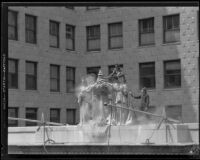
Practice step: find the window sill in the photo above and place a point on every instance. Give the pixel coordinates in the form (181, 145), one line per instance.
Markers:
(172, 89)
(115, 49)
(71, 51)
(90, 52)
(33, 91)
(171, 43)
(146, 46)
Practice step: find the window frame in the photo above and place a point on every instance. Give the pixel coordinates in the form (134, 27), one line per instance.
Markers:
(36, 115)
(98, 37)
(173, 29)
(110, 37)
(57, 79)
(15, 26)
(164, 67)
(32, 76)
(34, 31)
(17, 115)
(113, 66)
(70, 80)
(71, 38)
(140, 32)
(93, 67)
(50, 117)
(154, 76)
(15, 74)
(57, 34)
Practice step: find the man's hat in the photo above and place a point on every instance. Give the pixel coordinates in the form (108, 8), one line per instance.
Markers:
(100, 73)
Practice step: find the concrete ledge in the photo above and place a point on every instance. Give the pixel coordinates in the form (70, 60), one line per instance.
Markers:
(98, 149)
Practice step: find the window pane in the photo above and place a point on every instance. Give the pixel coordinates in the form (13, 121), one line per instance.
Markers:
(30, 36)
(30, 82)
(71, 116)
(93, 70)
(55, 115)
(30, 68)
(94, 44)
(12, 34)
(110, 68)
(70, 44)
(12, 66)
(12, 17)
(12, 112)
(147, 38)
(54, 71)
(53, 41)
(116, 42)
(115, 29)
(30, 22)
(70, 86)
(172, 36)
(176, 21)
(31, 113)
(54, 85)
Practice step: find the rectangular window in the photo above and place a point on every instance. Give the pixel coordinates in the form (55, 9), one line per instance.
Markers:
(146, 31)
(12, 73)
(111, 67)
(70, 79)
(70, 37)
(171, 26)
(55, 115)
(54, 34)
(93, 38)
(172, 74)
(54, 78)
(12, 25)
(30, 27)
(93, 71)
(12, 112)
(31, 113)
(31, 75)
(92, 8)
(174, 111)
(115, 35)
(147, 75)
(71, 116)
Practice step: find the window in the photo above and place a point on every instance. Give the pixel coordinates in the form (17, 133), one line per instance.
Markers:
(70, 79)
(70, 37)
(115, 35)
(111, 67)
(54, 78)
(93, 71)
(174, 111)
(171, 28)
(30, 26)
(71, 116)
(12, 112)
(146, 31)
(93, 38)
(12, 25)
(93, 8)
(55, 115)
(12, 73)
(147, 75)
(54, 34)
(31, 75)
(172, 74)
(31, 113)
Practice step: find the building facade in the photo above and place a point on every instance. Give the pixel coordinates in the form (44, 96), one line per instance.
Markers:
(51, 48)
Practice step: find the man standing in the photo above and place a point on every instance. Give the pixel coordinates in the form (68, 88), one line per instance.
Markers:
(144, 99)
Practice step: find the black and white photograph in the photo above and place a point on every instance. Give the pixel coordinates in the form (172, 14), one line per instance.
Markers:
(100, 78)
